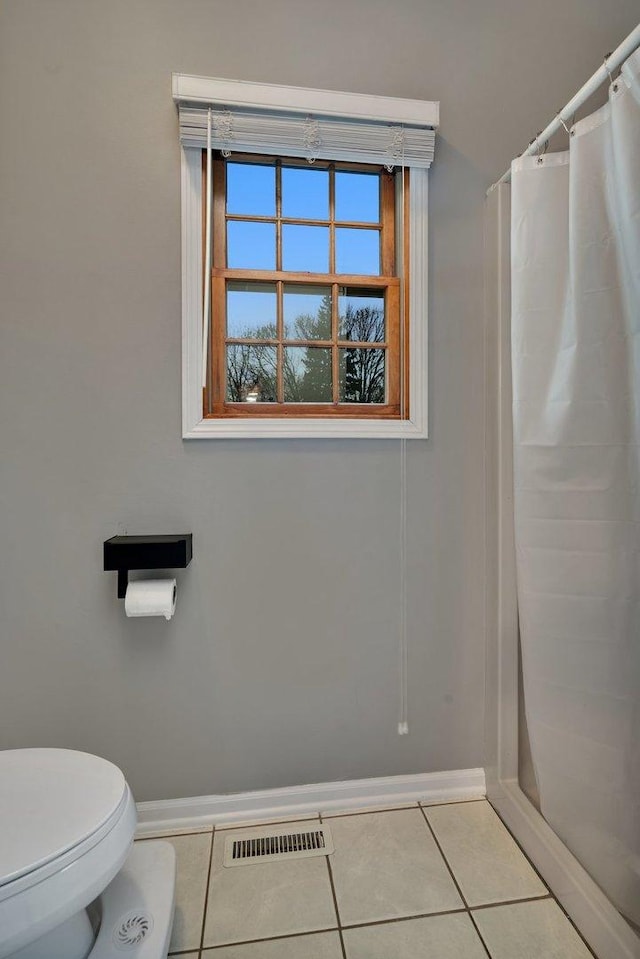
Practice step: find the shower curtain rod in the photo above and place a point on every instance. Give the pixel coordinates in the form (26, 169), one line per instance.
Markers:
(611, 62)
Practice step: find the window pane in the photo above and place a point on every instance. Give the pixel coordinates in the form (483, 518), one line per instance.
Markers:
(361, 315)
(251, 246)
(307, 312)
(251, 373)
(305, 249)
(305, 193)
(251, 189)
(362, 376)
(306, 374)
(357, 251)
(251, 310)
(358, 197)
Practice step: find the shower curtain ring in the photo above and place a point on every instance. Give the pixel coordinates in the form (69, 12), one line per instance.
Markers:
(540, 150)
(606, 66)
(561, 119)
(612, 82)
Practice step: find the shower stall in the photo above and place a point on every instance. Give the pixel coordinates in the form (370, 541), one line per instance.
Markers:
(562, 243)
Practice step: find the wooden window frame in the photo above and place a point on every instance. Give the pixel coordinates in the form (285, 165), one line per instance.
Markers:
(215, 405)
(197, 427)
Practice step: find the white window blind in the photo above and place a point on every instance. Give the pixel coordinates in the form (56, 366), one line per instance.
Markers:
(293, 121)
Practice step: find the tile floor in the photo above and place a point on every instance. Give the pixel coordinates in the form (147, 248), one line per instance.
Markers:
(440, 881)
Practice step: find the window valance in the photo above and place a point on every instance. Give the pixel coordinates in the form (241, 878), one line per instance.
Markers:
(296, 122)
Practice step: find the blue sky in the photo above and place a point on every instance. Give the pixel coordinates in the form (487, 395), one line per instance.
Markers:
(251, 189)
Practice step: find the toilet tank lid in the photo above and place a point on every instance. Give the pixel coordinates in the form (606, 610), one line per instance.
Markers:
(50, 801)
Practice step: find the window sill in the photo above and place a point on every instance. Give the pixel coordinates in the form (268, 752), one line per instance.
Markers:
(284, 428)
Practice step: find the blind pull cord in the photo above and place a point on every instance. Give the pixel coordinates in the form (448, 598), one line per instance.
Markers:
(403, 652)
(206, 303)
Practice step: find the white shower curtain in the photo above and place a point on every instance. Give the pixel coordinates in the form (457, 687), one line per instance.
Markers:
(575, 249)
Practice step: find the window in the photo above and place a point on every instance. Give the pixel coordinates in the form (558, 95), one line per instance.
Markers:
(304, 246)
(305, 306)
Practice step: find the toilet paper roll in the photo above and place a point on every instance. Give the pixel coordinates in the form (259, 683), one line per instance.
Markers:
(151, 597)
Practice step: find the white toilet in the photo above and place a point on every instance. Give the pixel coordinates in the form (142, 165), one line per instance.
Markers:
(72, 885)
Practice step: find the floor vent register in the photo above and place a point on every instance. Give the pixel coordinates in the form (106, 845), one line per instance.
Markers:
(249, 848)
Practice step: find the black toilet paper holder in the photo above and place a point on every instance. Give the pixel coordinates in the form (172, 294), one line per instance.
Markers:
(123, 553)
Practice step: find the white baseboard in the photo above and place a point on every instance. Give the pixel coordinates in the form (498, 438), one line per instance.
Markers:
(457, 784)
(597, 919)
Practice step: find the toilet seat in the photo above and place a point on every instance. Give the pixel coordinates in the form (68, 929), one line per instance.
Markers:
(53, 801)
(33, 877)
(68, 821)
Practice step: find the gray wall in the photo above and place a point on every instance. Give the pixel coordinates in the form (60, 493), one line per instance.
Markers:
(280, 664)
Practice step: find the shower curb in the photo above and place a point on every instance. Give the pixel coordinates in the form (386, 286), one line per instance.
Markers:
(593, 914)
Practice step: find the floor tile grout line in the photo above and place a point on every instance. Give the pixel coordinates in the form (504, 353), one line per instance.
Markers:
(543, 881)
(206, 893)
(479, 934)
(335, 904)
(223, 827)
(287, 935)
(443, 912)
(532, 864)
(174, 835)
(570, 920)
(455, 881)
(369, 812)
(344, 927)
(423, 803)
(446, 861)
(360, 925)
(389, 922)
(517, 902)
(335, 900)
(261, 824)
(508, 902)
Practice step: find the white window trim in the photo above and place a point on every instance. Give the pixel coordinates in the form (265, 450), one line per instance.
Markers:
(274, 96)
(195, 426)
